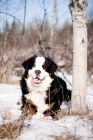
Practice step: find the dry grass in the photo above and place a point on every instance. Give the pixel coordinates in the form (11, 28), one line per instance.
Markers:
(68, 137)
(61, 113)
(11, 130)
(13, 82)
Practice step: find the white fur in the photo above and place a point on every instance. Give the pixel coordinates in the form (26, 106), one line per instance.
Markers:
(37, 92)
(45, 84)
(41, 87)
(38, 99)
(38, 66)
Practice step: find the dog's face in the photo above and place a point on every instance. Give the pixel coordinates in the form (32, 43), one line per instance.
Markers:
(40, 70)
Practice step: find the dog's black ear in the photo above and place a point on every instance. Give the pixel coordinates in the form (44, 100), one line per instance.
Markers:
(29, 63)
(52, 66)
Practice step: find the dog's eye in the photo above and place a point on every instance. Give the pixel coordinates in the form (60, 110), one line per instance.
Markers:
(44, 66)
(34, 65)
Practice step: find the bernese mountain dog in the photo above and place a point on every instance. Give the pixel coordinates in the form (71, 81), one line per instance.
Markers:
(42, 90)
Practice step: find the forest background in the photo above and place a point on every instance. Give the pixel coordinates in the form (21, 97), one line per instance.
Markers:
(40, 27)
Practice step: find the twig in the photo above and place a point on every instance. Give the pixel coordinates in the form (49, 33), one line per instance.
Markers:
(12, 16)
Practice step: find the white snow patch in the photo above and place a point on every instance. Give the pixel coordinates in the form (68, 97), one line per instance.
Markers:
(40, 127)
(9, 96)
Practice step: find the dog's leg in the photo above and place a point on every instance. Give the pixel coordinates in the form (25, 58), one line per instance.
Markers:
(29, 108)
(47, 112)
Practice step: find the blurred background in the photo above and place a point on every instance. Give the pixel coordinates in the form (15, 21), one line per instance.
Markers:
(41, 27)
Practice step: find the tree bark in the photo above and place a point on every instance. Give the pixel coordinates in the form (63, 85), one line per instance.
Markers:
(51, 22)
(79, 80)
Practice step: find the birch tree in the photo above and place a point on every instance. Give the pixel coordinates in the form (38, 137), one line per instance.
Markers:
(54, 13)
(79, 80)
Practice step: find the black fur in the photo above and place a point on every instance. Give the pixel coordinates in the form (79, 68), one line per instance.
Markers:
(58, 91)
(28, 64)
(51, 66)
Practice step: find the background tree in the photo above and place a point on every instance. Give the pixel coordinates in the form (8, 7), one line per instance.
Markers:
(79, 81)
(54, 13)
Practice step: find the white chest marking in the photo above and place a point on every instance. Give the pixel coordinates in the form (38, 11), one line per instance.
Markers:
(39, 100)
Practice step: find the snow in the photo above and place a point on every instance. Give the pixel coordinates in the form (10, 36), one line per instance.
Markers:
(44, 128)
(9, 95)
(72, 125)
(90, 97)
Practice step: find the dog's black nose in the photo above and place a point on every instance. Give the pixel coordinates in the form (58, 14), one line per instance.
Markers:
(37, 72)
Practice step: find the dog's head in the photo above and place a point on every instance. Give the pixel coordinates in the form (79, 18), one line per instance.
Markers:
(39, 69)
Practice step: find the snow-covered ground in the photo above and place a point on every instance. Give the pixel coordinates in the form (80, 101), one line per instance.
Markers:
(41, 128)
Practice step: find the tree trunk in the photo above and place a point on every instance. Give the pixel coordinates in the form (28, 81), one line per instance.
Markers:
(52, 21)
(79, 80)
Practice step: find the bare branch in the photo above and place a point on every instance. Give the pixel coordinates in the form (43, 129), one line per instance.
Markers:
(12, 16)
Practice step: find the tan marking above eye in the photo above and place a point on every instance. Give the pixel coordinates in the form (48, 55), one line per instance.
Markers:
(43, 64)
(50, 74)
(28, 75)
